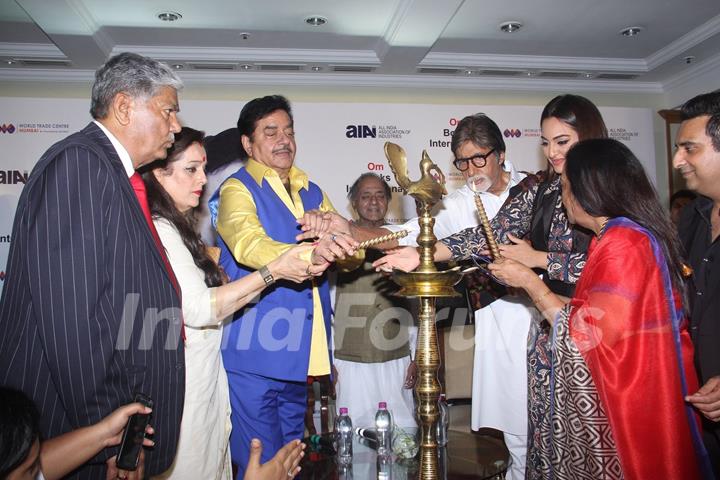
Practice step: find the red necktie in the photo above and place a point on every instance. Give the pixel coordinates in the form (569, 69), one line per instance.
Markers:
(139, 186)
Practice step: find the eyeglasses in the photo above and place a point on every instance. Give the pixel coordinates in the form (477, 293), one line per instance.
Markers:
(478, 160)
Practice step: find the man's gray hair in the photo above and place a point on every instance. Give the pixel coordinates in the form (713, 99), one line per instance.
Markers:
(355, 189)
(138, 76)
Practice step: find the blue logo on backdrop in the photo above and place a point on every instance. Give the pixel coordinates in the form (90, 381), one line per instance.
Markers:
(360, 131)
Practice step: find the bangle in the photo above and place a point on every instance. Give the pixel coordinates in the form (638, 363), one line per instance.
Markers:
(538, 299)
(266, 275)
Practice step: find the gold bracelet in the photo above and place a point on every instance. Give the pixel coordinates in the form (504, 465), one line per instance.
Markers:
(538, 299)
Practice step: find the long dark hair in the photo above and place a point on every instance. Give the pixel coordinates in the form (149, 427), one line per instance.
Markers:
(162, 205)
(607, 180)
(19, 429)
(577, 112)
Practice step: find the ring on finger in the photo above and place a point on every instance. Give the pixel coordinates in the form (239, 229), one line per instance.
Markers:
(291, 473)
(333, 237)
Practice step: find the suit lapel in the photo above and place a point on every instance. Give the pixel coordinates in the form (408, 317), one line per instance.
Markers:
(98, 137)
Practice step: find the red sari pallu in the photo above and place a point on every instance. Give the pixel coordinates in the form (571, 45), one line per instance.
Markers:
(621, 364)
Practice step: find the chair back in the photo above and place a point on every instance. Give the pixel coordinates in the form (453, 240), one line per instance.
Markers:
(459, 346)
(326, 392)
(458, 349)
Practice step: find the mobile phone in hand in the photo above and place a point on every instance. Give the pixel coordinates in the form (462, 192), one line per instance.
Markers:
(133, 436)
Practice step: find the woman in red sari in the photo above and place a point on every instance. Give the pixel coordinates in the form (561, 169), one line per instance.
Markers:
(621, 355)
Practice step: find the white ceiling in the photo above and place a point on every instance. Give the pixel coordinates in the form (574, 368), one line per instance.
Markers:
(568, 44)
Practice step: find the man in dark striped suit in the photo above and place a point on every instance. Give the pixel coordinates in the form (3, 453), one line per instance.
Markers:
(90, 312)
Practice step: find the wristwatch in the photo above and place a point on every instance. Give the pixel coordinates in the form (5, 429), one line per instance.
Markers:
(266, 275)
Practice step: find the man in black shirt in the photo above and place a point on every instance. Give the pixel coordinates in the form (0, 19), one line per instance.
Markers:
(698, 159)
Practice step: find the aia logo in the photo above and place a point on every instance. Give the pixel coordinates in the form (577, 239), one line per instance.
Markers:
(360, 131)
(512, 132)
(10, 128)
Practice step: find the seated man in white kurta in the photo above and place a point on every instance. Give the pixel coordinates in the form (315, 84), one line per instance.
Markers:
(371, 354)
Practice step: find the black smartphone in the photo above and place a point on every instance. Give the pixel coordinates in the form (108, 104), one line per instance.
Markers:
(133, 436)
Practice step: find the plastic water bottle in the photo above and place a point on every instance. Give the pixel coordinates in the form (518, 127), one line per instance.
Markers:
(344, 436)
(345, 471)
(443, 421)
(383, 429)
(384, 466)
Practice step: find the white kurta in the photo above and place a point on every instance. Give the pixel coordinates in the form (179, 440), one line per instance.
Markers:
(499, 387)
(205, 430)
(499, 390)
(361, 386)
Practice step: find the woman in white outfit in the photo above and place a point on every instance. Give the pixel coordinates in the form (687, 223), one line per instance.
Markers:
(174, 187)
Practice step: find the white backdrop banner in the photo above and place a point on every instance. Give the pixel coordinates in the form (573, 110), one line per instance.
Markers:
(336, 141)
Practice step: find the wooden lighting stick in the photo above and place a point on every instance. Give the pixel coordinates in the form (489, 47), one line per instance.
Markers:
(382, 239)
(492, 244)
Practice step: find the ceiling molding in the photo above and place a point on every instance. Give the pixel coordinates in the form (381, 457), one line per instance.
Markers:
(87, 19)
(265, 55)
(413, 32)
(30, 50)
(100, 37)
(354, 80)
(535, 62)
(416, 81)
(69, 25)
(393, 27)
(692, 73)
(103, 40)
(684, 43)
(50, 75)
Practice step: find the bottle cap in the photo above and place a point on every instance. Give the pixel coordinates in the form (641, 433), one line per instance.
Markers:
(343, 411)
(382, 405)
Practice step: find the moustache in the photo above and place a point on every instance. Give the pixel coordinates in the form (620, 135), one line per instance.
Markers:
(479, 183)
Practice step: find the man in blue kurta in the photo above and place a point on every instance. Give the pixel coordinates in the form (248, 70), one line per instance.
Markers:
(271, 347)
